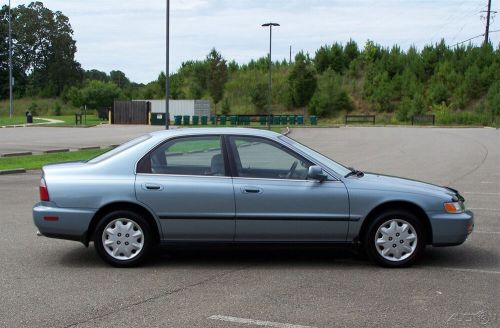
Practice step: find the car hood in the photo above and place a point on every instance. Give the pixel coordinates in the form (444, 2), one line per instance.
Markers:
(393, 183)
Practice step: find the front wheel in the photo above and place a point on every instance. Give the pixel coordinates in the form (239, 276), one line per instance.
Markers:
(395, 239)
(123, 238)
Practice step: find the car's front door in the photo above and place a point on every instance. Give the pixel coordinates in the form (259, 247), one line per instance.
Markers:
(184, 181)
(276, 202)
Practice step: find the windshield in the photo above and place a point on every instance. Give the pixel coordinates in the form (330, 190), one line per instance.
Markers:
(339, 168)
(119, 149)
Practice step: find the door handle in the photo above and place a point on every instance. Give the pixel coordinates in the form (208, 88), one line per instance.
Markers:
(152, 186)
(251, 190)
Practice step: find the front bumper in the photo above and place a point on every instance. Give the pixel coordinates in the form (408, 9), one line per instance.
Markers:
(451, 229)
(71, 223)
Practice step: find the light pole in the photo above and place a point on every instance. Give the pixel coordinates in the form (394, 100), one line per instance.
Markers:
(270, 73)
(11, 108)
(167, 68)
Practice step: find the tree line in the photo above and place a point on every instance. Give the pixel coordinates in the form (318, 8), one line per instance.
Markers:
(338, 78)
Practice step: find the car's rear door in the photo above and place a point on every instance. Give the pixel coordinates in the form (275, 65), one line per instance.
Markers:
(184, 181)
(276, 202)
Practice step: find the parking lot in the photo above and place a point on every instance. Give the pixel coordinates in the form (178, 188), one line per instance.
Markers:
(55, 283)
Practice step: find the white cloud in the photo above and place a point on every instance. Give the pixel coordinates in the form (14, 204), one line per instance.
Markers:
(130, 35)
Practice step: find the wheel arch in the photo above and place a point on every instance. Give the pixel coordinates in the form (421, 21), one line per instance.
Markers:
(123, 205)
(398, 205)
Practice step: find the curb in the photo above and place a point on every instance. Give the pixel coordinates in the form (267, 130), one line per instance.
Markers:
(50, 151)
(13, 171)
(89, 148)
(24, 153)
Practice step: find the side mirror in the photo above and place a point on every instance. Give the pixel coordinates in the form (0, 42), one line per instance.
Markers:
(316, 173)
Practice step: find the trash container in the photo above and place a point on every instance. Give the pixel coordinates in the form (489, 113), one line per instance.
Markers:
(291, 119)
(29, 117)
(185, 119)
(263, 120)
(204, 120)
(276, 120)
(284, 119)
(223, 120)
(300, 119)
(178, 119)
(213, 119)
(313, 119)
(196, 120)
(233, 119)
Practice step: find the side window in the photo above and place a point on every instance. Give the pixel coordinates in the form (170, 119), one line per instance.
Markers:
(262, 158)
(186, 156)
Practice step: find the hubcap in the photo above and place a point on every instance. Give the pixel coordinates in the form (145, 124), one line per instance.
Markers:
(123, 239)
(396, 240)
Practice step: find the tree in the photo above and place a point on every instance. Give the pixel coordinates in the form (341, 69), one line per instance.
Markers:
(119, 78)
(330, 97)
(259, 95)
(302, 81)
(217, 77)
(95, 95)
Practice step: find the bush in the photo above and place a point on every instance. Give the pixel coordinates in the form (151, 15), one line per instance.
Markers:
(33, 108)
(330, 98)
(57, 109)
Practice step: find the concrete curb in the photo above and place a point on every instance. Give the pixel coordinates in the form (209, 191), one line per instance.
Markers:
(13, 171)
(24, 153)
(51, 151)
(89, 148)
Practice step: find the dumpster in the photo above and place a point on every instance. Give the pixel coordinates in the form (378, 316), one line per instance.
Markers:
(263, 120)
(185, 119)
(223, 120)
(276, 120)
(283, 119)
(300, 119)
(233, 119)
(157, 119)
(178, 120)
(291, 119)
(313, 119)
(196, 120)
(204, 120)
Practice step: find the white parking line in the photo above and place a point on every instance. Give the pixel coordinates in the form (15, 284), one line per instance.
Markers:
(256, 322)
(472, 270)
(483, 209)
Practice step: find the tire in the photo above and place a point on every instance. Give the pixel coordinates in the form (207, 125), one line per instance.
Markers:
(395, 239)
(123, 238)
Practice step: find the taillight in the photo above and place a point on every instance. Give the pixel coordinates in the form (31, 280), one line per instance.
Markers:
(44, 192)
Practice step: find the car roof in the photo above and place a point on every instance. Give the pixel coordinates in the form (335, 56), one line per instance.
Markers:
(203, 131)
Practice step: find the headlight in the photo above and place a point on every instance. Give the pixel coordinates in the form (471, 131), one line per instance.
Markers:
(454, 207)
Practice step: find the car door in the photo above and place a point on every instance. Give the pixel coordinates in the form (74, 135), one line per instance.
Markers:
(276, 202)
(184, 181)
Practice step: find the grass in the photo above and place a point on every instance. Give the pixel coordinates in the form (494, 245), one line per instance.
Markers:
(16, 120)
(31, 162)
(69, 120)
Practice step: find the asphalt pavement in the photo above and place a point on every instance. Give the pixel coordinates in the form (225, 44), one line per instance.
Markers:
(54, 283)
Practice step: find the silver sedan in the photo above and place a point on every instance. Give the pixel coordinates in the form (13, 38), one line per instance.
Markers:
(233, 185)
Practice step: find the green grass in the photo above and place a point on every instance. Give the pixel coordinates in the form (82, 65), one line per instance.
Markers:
(37, 161)
(16, 120)
(69, 120)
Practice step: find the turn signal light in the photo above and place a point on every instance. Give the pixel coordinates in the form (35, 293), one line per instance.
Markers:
(453, 207)
(44, 192)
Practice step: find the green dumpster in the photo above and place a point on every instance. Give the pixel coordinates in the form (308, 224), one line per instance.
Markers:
(276, 120)
(313, 119)
(247, 120)
(300, 119)
(204, 120)
(263, 120)
(178, 120)
(185, 119)
(213, 119)
(196, 120)
(283, 119)
(291, 119)
(233, 119)
(223, 120)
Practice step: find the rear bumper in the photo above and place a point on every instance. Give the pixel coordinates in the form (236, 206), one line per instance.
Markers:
(62, 223)
(451, 229)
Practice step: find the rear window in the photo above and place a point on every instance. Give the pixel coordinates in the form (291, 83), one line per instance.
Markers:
(119, 149)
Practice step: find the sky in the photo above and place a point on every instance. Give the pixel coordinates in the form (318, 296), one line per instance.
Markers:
(129, 35)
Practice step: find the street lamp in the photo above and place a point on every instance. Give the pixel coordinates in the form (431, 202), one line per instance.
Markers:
(167, 75)
(270, 74)
(11, 109)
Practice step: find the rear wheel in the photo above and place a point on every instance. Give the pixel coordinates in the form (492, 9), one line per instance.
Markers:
(395, 239)
(123, 238)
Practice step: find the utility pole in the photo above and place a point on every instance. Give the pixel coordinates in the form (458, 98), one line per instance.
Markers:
(167, 68)
(290, 60)
(11, 107)
(270, 72)
(487, 32)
